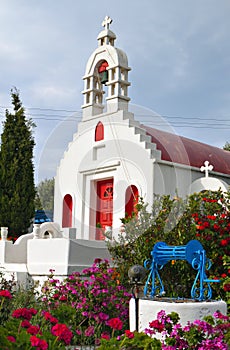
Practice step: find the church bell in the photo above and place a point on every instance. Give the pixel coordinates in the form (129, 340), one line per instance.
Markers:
(103, 77)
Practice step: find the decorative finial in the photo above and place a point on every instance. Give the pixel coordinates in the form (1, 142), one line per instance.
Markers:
(206, 168)
(107, 21)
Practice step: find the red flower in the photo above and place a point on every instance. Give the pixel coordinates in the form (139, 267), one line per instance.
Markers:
(209, 200)
(211, 217)
(115, 323)
(227, 287)
(61, 331)
(49, 317)
(223, 275)
(224, 242)
(24, 313)
(216, 227)
(129, 334)
(34, 340)
(11, 339)
(5, 293)
(206, 224)
(25, 324)
(56, 296)
(157, 325)
(200, 227)
(39, 343)
(33, 330)
(105, 336)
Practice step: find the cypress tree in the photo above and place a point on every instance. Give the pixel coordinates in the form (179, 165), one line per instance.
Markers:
(17, 189)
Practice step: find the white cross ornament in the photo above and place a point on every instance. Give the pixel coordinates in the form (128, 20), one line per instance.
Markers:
(107, 21)
(206, 168)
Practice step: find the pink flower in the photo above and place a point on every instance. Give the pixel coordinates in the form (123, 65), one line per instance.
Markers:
(115, 323)
(11, 339)
(5, 293)
(103, 316)
(89, 331)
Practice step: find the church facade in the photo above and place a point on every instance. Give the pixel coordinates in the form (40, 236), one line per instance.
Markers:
(113, 159)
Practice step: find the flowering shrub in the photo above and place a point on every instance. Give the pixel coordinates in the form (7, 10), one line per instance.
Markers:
(91, 302)
(204, 216)
(212, 333)
(92, 309)
(28, 328)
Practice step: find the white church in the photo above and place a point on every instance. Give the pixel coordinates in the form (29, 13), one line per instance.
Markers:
(111, 161)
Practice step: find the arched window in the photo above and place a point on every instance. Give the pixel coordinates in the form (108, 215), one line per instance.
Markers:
(67, 211)
(131, 200)
(99, 132)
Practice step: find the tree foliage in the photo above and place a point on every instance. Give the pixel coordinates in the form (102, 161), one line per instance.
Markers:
(227, 146)
(45, 190)
(17, 190)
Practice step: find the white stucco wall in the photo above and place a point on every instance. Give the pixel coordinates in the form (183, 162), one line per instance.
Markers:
(120, 156)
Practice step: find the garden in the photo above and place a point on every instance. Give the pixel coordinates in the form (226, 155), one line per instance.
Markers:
(90, 310)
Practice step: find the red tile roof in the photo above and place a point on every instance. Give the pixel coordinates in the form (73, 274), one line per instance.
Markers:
(179, 149)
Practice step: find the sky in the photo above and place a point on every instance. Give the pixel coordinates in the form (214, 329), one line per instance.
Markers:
(178, 51)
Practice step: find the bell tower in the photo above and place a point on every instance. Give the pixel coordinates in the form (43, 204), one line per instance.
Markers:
(107, 68)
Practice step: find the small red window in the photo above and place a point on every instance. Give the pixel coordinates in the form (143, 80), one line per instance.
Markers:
(99, 132)
(67, 211)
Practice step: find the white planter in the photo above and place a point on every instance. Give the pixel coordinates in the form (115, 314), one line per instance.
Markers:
(187, 310)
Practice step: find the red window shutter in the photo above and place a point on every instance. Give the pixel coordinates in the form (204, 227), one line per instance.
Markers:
(99, 132)
(131, 200)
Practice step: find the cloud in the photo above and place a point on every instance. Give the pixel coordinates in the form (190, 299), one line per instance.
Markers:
(179, 53)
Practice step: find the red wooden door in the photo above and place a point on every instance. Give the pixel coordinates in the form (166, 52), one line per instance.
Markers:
(104, 216)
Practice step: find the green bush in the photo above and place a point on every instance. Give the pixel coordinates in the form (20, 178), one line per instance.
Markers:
(203, 216)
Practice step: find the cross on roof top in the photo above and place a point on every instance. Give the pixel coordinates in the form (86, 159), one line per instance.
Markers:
(206, 168)
(107, 21)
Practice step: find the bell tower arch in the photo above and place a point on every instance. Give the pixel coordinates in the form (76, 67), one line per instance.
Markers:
(106, 67)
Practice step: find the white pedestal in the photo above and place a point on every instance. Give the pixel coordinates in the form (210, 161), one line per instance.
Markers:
(187, 310)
